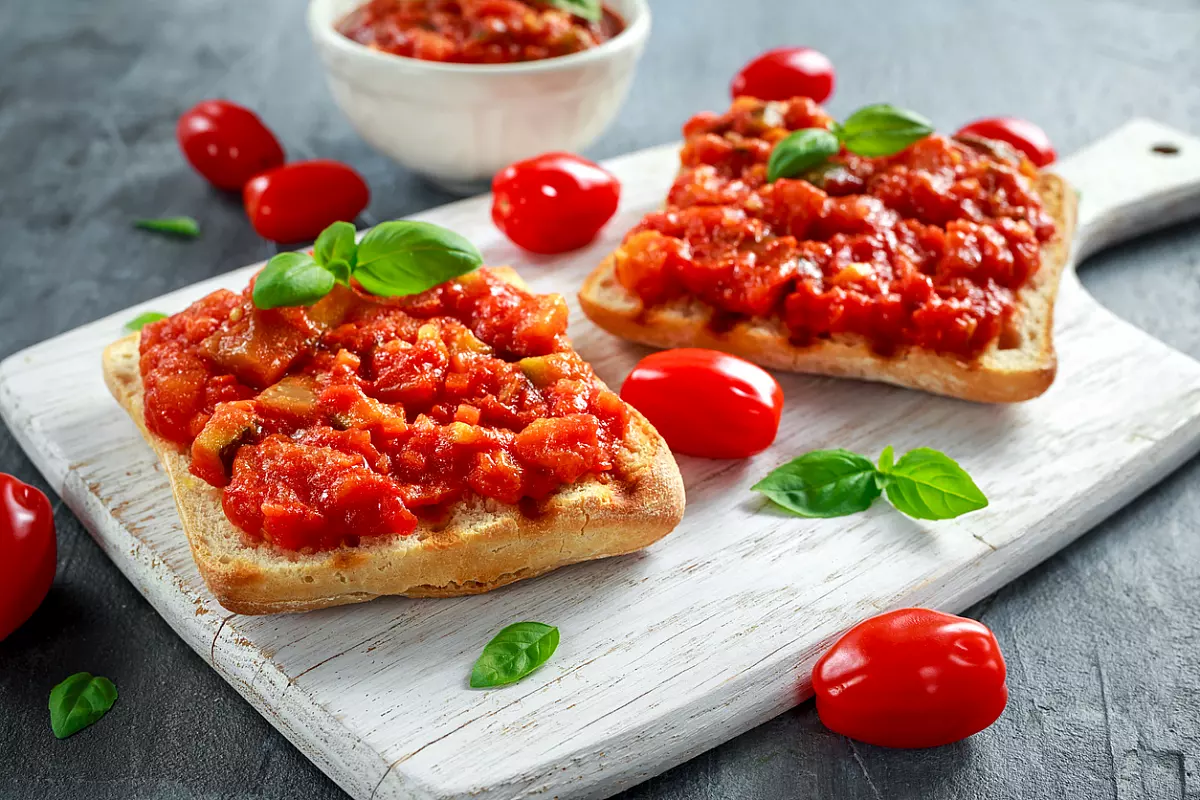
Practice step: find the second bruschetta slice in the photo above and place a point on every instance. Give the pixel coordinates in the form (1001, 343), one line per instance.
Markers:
(936, 268)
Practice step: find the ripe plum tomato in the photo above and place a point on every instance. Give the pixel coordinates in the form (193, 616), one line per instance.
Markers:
(911, 678)
(554, 202)
(706, 403)
(226, 143)
(786, 73)
(296, 202)
(1020, 133)
(28, 552)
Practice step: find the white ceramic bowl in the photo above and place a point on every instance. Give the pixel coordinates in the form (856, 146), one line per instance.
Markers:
(459, 124)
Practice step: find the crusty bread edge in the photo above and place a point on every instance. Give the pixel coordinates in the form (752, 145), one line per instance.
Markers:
(998, 376)
(482, 545)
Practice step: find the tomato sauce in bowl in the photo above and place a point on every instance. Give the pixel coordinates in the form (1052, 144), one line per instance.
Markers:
(475, 31)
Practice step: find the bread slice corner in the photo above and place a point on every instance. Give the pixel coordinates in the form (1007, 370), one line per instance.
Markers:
(1020, 365)
(481, 544)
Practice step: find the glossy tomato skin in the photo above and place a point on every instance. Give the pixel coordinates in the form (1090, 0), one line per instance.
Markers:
(553, 203)
(786, 73)
(28, 552)
(1020, 133)
(911, 678)
(706, 403)
(294, 203)
(226, 143)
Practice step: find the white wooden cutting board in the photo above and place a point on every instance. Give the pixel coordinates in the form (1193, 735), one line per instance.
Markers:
(711, 631)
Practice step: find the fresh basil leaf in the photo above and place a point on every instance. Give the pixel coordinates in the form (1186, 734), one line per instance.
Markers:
(588, 9)
(823, 483)
(184, 227)
(404, 257)
(291, 279)
(800, 152)
(336, 243)
(882, 130)
(78, 702)
(515, 652)
(887, 459)
(142, 320)
(926, 484)
(340, 271)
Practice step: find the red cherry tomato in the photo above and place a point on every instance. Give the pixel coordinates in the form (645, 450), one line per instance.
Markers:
(1020, 133)
(28, 552)
(554, 202)
(226, 143)
(297, 201)
(706, 403)
(911, 678)
(786, 73)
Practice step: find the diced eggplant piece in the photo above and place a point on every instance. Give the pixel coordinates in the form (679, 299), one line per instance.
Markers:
(333, 309)
(260, 347)
(544, 371)
(1001, 151)
(231, 426)
(294, 397)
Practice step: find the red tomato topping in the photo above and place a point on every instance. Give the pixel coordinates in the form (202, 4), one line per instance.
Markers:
(1020, 133)
(28, 552)
(309, 495)
(786, 73)
(349, 418)
(554, 202)
(911, 678)
(475, 31)
(226, 143)
(706, 403)
(294, 203)
(924, 248)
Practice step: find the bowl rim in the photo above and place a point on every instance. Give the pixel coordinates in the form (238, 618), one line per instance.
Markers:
(637, 29)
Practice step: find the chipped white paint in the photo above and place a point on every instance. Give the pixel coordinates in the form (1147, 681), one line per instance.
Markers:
(713, 630)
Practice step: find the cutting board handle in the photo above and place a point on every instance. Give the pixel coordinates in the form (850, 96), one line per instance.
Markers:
(1141, 177)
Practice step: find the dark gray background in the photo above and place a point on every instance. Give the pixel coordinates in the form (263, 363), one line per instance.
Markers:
(1102, 641)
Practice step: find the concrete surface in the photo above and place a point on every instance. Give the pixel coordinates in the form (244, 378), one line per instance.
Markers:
(1103, 642)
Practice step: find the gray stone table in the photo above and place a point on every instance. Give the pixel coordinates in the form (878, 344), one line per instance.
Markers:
(1103, 642)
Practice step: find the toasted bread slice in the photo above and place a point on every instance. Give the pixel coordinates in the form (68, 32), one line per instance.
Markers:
(480, 545)
(1020, 365)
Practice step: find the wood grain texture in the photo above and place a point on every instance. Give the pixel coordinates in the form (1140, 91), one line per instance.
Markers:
(670, 652)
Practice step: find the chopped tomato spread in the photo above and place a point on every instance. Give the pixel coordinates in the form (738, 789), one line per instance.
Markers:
(475, 31)
(352, 417)
(925, 248)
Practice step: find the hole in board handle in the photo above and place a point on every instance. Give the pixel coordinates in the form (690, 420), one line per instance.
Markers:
(1165, 149)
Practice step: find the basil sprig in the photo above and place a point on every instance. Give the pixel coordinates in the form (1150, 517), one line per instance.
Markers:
(183, 227)
(873, 131)
(143, 319)
(515, 652)
(824, 483)
(394, 258)
(78, 702)
(590, 10)
(800, 152)
(924, 484)
(882, 130)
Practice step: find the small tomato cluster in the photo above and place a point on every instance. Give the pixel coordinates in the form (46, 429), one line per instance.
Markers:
(231, 147)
